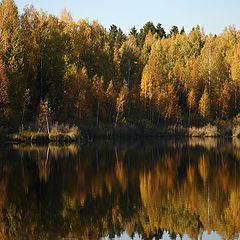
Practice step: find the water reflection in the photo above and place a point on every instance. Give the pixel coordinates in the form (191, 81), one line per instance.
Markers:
(148, 190)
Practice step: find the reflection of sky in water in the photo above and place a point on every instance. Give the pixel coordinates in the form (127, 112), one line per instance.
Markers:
(206, 236)
(212, 235)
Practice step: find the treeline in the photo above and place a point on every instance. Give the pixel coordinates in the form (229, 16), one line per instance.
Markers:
(78, 72)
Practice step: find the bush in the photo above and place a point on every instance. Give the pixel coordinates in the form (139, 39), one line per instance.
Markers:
(64, 133)
(206, 131)
(59, 133)
(236, 131)
(29, 136)
(236, 120)
(23, 136)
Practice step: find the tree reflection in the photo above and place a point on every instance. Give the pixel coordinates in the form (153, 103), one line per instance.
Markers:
(89, 192)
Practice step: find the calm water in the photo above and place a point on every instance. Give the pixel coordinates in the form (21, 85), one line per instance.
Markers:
(164, 189)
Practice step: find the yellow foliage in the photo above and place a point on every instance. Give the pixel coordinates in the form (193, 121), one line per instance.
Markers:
(204, 104)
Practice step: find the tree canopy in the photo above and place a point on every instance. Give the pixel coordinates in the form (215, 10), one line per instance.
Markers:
(52, 58)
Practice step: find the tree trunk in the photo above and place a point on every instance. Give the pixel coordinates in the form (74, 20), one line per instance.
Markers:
(165, 120)
(48, 131)
(152, 115)
(235, 99)
(110, 112)
(23, 116)
(97, 112)
(129, 72)
(117, 116)
(189, 115)
(149, 113)
(209, 70)
(158, 118)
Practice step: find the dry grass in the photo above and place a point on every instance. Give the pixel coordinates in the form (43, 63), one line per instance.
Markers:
(236, 131)
(59, 133)
(206, 131)
(29, 136)
(64, 133)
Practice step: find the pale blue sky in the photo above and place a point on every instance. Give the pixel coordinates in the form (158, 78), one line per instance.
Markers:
(213, 15)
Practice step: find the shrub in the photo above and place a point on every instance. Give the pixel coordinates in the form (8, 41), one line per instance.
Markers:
(236, 120)
(59, 133)
(206, 131)
(236, 131)
(64, 133)
(23, 136)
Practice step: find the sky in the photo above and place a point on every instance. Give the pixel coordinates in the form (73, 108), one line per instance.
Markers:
(213, 15)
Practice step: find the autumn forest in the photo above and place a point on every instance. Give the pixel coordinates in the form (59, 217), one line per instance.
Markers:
(81, 73)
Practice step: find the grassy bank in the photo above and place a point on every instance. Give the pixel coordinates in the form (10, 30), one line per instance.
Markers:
(148, 130)
(67, 134)
(62, 133)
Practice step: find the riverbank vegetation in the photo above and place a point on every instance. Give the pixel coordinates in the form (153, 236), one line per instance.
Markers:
(77, 72)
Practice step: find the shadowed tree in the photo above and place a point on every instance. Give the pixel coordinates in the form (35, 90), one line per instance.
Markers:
(133, 31)
(191, 101)
(98, 90)
(4, 100)
(129, 57)
(160, 31)
(182, 30)
(224, 100)
(174, 31)
(110, 98)
(121, 101)
(81, 91)
(149, 26)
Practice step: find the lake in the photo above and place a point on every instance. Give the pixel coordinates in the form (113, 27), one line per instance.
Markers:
(145, 189)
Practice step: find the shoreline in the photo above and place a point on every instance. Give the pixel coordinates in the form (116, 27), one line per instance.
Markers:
(125, 131)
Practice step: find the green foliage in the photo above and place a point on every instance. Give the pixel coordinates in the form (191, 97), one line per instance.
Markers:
(174, 31)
